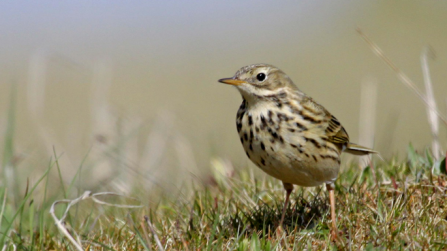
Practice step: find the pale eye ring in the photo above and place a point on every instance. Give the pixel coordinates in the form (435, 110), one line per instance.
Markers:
(261, 77)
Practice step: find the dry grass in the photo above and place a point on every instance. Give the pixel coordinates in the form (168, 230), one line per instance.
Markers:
(402, 208)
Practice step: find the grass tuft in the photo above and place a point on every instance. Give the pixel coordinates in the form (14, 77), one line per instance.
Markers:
(402, 207)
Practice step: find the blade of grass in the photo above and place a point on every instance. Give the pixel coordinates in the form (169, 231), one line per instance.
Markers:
(3, 206)
(64, 192)
(400, 75)
(31, 223)
(22, 204)
(21, 210)
(432, 118)
(77, 176)
(367, 117)
(138, 234)
(157, 240)
(78, 173)
(42, 215)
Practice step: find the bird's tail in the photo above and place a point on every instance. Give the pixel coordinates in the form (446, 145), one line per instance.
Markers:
(355, 149)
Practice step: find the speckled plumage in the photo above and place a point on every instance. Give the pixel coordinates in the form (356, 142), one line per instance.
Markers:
(285, 145)
(285, 132)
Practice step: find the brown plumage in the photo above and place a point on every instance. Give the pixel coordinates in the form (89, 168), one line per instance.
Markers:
(287, 134)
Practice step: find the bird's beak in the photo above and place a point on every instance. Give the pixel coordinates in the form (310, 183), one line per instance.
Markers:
(231, 81)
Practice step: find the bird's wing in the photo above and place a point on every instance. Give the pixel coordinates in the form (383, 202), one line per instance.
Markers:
(335, 132)
(319, 126)
(328, 126)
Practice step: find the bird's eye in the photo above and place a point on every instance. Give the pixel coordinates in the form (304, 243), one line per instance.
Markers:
(260, 77)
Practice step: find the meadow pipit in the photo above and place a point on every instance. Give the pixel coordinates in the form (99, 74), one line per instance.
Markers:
(287, 134)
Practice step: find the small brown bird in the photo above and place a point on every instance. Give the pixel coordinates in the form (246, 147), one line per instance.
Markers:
(287, 134)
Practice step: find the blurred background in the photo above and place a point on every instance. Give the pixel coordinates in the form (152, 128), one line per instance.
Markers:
(121, 90)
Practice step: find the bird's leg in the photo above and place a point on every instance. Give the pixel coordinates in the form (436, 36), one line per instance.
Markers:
(289, 188)
(330, 187)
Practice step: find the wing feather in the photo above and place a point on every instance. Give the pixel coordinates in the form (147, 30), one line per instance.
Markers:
(323, 124)
(331, 128)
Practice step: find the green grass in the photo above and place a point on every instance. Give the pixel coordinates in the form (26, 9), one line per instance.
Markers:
(403, 207)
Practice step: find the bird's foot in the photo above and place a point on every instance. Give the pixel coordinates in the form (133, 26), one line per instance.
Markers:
(334, 235)
(280, 231)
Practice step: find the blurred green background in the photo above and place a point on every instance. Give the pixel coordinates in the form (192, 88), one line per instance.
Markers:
(92, 73)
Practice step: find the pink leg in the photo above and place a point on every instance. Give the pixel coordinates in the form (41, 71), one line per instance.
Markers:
(330, 187)
(289, 188)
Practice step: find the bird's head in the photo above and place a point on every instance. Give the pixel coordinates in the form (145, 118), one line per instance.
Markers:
(259, 80)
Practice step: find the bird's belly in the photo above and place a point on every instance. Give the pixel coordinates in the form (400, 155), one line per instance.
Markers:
(293, 168)
(303, 167)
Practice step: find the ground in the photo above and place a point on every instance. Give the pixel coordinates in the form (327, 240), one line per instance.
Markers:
(398, 205)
